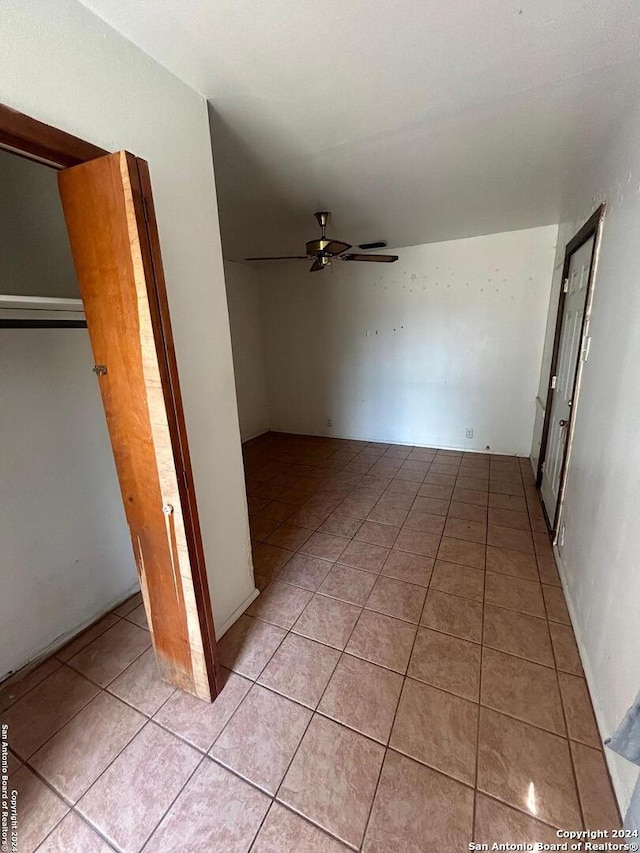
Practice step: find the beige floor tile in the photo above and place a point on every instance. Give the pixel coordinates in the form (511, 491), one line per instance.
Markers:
(506, 561)
(341, 525)
(72, 833)
(425, 522)
(527, 768)
(469, 531)
(470, 496)
(578, 711)
(416, 542)
(75, 756)
(429, 490)
(286, 832)
(375, 533)
(362, 696)
(127, 606)
(436, 812)
(411, 568)
(480, 484)
(383, 640)
(432, 506)
(397, 598)
(333, 778)
(138, 616)
(94, 631)
(328, 621)
(438, 729)
(200, 722)
(300, 669)
(39, 809)
(45, 709)
(280, 604)
(548, 570)
(277, 510)
(508, 537)
(439, 479)
(140, 685)
(496, 823)
(594, 788)
(248, 646)
(328, 546)
(261, 528)
(363, 555)
(522, 689)
(17, 686)
(133, 794)
(517, 634)
(505, 487)
(513, 502)
(111, 653)
(191, 824)
(385, 512)
(565, 648)
(468, 512)
(514, 594)
(457, 579)
(268, 560)
(261, 738)
(13, 763)
(518, 520)
(348, 584)
(304, 571)
(461, 552)
(289, 536)
(451, 614)
(556, 605)
(446, 662)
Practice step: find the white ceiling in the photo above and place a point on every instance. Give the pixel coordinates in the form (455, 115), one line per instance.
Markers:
(412, 120)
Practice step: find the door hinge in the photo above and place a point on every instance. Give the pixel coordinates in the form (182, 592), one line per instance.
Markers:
(554, 380)
(586, 346)
(565, 286)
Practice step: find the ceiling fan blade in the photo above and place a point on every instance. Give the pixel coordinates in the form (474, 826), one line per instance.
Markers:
(376, 259)
(282, 258)
(316, 265)
(336, 247)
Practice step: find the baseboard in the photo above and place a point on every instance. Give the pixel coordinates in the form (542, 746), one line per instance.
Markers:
(346, 437)
(619, 786)
(221, 630)
(256, 439)
(65, 638)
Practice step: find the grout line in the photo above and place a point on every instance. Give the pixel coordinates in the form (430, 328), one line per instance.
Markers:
(323, 473)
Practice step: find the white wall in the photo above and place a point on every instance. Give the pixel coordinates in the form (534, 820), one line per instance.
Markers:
(601, 551)
(448, 338)
(35, 257)
(61, 64)
(247, 340)
(66, 555)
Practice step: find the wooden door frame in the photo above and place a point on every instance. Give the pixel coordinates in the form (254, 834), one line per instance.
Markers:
(591, 228)
(27, 137)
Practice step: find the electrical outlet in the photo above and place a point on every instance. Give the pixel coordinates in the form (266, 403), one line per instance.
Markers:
(469, 433)
(329, 422)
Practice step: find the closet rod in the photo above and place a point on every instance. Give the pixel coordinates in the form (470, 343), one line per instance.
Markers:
(42, 324)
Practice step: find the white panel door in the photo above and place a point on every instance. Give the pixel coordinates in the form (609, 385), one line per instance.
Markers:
(575, 304)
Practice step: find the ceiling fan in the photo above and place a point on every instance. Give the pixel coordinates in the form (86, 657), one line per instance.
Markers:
(323, 250)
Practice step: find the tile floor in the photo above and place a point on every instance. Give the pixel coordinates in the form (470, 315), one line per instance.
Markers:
(408, 680)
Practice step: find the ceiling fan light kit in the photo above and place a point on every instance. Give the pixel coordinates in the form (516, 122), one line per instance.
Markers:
(323, 250)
